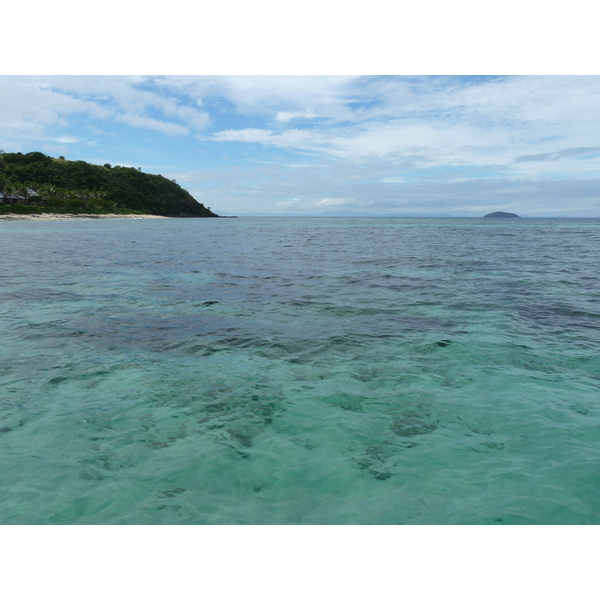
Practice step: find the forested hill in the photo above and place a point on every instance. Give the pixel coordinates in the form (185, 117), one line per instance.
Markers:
(34, 182)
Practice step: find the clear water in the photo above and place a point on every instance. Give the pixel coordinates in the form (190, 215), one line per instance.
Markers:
(313, 371)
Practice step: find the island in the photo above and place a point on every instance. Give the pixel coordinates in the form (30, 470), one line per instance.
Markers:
(38, 185)
(501, 215)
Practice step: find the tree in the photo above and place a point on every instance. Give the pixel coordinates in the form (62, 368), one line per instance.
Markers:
(23, 192)
(6, 187)
(58, 182)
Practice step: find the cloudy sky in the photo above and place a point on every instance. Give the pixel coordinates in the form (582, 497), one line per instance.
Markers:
(329, 145)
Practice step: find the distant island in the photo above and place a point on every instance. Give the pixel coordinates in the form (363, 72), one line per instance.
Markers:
(501, 215)
(34, 183)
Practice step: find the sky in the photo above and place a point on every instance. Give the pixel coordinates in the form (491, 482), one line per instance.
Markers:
(329, 145)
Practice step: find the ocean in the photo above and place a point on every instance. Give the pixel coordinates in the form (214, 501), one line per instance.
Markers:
(300, 371)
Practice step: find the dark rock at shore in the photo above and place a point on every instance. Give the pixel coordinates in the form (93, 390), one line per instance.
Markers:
(501, 215)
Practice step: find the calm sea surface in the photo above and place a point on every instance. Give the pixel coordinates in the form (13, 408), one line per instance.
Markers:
(311, 371)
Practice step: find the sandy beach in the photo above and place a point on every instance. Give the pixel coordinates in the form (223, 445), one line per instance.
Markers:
(62, 217)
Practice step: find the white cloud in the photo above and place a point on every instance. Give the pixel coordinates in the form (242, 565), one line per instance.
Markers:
(67, 139)
(285, 117)
(149, 123)
(446, 122)
(261, 136)
(270, 95)
(326, 202)
(193, 118)
(31, 106)
(432, 121)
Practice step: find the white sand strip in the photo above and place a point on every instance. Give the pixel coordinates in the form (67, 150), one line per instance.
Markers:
(62, 217)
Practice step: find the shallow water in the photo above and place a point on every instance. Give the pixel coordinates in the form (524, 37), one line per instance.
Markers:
(314, 371)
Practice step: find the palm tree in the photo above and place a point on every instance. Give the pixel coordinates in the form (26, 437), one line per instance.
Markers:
(23, 192)
(6, 187)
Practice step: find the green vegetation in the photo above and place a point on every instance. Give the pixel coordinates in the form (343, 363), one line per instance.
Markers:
(501, 215)
(35, 183)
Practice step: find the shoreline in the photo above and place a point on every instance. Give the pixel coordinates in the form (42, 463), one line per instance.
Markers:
(71, 217)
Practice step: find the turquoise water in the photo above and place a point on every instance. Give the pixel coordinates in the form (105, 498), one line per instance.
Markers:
(310, 371)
